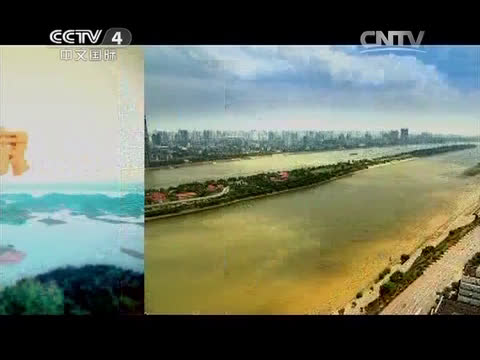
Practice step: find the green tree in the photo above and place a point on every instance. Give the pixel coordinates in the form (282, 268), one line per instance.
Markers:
(30, 297)
(388, 288)
(397, 277)
(428, 250)
(404, 258)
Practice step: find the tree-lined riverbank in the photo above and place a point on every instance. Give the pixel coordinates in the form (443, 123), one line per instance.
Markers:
(272, 183)
(411, 284)
(399, 281)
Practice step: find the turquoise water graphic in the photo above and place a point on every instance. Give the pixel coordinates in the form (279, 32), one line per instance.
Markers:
(60, 225)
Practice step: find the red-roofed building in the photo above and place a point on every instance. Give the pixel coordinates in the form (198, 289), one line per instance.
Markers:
(158, 197)
(212, 187)
(186, 195)
(282, 176)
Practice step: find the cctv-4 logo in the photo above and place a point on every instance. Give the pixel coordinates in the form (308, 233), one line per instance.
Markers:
(113, 36)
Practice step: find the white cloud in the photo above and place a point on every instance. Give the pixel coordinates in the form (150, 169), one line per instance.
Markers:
(251, 62)
(308, 78)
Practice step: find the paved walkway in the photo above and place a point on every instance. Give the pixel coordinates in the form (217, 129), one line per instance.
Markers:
(419, 297)
(186, 201)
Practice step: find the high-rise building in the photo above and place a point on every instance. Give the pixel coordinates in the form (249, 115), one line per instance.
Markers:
(394, 136)
(293, 138)
(164, 138)
(196, 136)
(404, 135)
(207, 136)
(183, 137)
(147, 144)
(271, 136)
(157, 138)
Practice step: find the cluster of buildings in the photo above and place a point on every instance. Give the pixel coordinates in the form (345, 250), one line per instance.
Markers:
(272, 139)
(467, 296)
(164, 147)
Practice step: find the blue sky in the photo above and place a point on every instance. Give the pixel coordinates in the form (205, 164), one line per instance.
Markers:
(312, 87)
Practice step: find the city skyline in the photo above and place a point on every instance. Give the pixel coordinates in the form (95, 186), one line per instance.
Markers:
(312, 87)
(336, 131)
(173, 147)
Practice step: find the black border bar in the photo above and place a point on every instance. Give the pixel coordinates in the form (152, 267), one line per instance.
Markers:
(312, 29)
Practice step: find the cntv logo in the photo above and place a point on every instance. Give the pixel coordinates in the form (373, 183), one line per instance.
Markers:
(393, 41)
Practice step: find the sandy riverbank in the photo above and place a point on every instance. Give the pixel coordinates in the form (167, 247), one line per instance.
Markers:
(467, 204)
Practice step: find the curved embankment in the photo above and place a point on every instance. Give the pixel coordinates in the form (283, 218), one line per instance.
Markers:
(189, 201)
(408, 290)
(306, 178)
(192, 211)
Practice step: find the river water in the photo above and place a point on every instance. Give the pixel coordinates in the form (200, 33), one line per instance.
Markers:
(276, 162)
(307, 251)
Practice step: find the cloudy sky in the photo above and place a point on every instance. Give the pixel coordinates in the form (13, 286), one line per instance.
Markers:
(312, 87)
